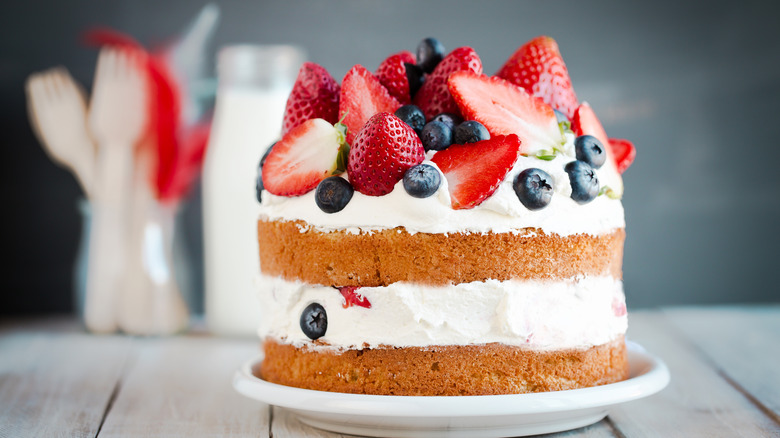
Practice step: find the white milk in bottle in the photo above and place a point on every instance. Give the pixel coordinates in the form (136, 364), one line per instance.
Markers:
(253, 85)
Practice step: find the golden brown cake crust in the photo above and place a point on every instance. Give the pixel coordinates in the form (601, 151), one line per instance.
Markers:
(380, 258)
(444, 370)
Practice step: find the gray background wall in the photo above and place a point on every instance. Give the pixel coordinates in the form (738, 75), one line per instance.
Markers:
(695, 85)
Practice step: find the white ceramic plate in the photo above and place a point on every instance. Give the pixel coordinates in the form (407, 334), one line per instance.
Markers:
(466, 416)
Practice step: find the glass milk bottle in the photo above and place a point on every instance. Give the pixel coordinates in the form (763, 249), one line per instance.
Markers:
(253, 85)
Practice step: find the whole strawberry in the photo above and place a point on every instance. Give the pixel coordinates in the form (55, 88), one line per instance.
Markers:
(538, 67)
(434, 97)
(382, 152)
(392, 74)
(314, 95)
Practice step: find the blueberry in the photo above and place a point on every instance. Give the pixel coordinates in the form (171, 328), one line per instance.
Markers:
(430, 52)
(413, 116)
(449, 119)
(259, 180)
(436, 136)
(415, 76)
(333, 194)
(422, 181)
(314, 321)
(583, 180)
(560, 116)
(534, 188)
(590, 150)
(470, 132)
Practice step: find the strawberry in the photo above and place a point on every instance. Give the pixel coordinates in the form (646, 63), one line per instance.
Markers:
(302, 158)
(434, 97)
(624, 153)
(353, 298)
(383, 151)
(362, 96)
(538, 67)
(315, 94)
(475, 170)
(392, 74)
(504, 108)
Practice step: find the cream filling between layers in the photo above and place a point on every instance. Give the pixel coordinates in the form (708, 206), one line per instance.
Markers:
(501, 212)
(542, 315)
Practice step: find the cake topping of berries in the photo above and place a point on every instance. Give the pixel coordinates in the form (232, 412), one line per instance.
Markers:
(362, 96)
(470, 131)
(583, 180)
(538, 67)
(434, 96)
(474, 170)
(353, 298)
(333, 194)
(436, 136)
(302, 158)
(315, 94)
(590, 150)
(392, 74)
(624, 153)
(534, 188)
(430, 52)
(412, 116)
(259, 180)
(504, 108)
(585, 122)
(422, 181)
(314, 321)
(381, 153)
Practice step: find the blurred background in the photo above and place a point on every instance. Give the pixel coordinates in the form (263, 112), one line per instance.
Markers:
(695, 87)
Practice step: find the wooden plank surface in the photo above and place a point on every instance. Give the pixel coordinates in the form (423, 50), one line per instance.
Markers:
(56, 380)
(181, 387)
(57, 385)
(697, 403)
(742, 343)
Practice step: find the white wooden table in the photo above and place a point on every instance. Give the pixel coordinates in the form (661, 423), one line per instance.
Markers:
(57, 381)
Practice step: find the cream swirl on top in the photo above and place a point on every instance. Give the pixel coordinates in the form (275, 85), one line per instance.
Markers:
(501, 212)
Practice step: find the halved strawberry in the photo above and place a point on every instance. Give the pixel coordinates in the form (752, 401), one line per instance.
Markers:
(362, 96)
(624, 153)
(392, 74)
(353, 298)
(302, 158)
(314, 95)
(586, 122)
(538, 67)
(475, 170)
(434, 96)
(383, 151)
(504, 108)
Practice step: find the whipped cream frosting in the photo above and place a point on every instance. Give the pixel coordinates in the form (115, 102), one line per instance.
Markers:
(541, 315)
(501, 212)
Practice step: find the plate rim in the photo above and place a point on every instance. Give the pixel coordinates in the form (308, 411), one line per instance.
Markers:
(652, 378)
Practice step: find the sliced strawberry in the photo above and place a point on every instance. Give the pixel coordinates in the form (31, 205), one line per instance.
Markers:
(353, 298)
(392, 74)
(315, 94)
(538, 67)
(362, 96)
(302, 158)
(383, 151)
(504, 109)
(434, 96)
(624, 152)
(475, 170)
